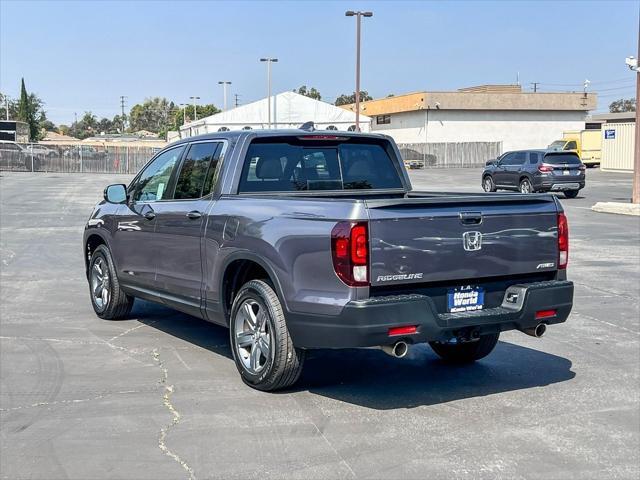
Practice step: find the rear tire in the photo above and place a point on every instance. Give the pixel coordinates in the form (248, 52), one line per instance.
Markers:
(261, 345)
(488, 185)
(571, 193)
(467, 352)
(525, 186)
(108, 299)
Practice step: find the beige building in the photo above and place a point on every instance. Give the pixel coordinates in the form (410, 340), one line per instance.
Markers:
(487, 113)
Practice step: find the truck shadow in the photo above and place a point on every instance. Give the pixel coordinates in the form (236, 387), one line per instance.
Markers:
(370, 378)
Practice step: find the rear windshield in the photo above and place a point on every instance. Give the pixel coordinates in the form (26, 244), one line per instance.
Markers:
(563, 158)
(294, 164)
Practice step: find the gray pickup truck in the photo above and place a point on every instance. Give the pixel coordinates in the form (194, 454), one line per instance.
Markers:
(298, 240)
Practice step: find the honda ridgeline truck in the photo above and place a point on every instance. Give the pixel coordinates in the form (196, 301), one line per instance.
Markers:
(298, 240)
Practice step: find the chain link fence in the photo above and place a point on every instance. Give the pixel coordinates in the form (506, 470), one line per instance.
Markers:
(449, 154)
(37, 157)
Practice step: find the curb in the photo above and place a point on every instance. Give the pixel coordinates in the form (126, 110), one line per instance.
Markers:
(618, 208)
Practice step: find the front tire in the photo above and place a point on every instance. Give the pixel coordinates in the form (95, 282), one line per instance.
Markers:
(488, 185)
(260, 342)
(525, 186)
(466, 352)
(571, 193)
(108, 299)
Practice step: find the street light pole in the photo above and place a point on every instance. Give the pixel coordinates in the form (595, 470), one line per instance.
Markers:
(184, 112)
(195, 112)
(224, 84)
(269, 62)
(358, 16)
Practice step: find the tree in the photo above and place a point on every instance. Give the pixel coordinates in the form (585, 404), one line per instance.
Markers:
(153, 115)
(311, 93)
(48, 125)
(86, 127)
(30, 111)
(186, 113)
(5, 102)
(623, 105)
(349, 99)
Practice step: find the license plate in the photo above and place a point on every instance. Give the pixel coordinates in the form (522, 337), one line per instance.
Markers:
(465, 299)
(566, 172)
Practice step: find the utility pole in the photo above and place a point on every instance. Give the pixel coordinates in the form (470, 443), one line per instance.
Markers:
(6, 105)
(122, 105)
(195, 112)
(635, 197)
(269, 62)
(535, 86)
(237, 101)
(358, 16)
(224, 84)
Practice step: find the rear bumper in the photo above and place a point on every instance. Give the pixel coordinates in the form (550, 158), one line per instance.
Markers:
(366, 323)
(549, 184)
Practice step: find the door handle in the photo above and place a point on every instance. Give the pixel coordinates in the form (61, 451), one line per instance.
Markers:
(194, 214)
(471, 218)
(150, 215)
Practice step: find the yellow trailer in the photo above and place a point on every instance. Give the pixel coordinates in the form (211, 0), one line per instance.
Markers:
(586, 143)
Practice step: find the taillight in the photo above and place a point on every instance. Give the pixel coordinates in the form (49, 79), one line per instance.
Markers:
(350, 252)
(582, 167)
(563, 241)
(545, 168)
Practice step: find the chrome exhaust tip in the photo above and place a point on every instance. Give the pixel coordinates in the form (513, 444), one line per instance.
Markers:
(537, 331)
(398, 349)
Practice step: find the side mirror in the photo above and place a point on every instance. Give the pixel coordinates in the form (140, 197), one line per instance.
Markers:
(116, 193)
(491, 162)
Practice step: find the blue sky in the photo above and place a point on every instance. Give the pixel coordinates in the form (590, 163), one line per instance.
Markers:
(82, 56)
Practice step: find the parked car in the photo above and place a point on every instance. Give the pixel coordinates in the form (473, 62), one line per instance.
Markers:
(532, 171)
(298, 240)
(40, 151)
(13, 154)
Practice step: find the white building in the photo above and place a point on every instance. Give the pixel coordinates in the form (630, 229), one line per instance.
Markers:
(489, 113)
(288, 110)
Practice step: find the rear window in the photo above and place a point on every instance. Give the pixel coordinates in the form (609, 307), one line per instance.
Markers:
(563, 158)
(294, 164)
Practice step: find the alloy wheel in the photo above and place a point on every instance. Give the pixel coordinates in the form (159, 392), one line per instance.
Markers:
(100, 285)
(252, 335)
(525, 187)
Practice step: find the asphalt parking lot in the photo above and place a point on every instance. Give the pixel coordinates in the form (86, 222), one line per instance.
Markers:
(158, 396)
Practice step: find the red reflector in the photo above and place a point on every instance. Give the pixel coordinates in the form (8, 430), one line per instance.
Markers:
(408, 330)
(545, 314)
(342, 246)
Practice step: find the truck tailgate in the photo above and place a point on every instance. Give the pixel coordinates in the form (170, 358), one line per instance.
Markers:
(440, 238)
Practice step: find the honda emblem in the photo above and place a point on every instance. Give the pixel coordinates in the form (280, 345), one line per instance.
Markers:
(472, 241)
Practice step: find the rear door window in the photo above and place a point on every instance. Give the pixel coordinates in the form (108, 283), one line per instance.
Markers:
(296, 164)
(197, 171)
(534, 157)
(519, 158)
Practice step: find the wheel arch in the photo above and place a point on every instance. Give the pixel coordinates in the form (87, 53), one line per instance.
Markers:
(240, 268)
(92, 241)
